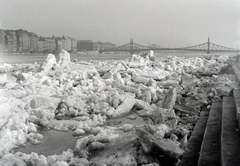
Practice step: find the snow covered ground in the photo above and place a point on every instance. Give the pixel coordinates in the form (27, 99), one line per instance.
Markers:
(103, 108)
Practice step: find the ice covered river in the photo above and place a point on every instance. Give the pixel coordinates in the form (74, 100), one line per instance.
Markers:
(31, 58)
(91, 108)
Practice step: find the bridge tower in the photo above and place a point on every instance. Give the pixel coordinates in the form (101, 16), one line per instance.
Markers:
(131, 46)
(208, 46)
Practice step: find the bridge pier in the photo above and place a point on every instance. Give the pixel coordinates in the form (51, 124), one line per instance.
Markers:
(208, 46)
(131, 46)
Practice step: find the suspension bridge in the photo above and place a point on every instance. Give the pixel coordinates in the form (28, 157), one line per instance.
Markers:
(204, 47)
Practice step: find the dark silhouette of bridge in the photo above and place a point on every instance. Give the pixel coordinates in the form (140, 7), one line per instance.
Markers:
(204, 47)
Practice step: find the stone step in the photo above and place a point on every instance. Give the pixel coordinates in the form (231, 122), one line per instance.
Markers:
(236, 95)
(236, 71)
(191, 155)
(230, 135)
(211, 145)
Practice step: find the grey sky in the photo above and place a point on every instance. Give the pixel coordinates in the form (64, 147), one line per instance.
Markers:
(169, 23)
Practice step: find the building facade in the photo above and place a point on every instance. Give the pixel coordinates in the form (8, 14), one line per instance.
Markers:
(50, 45)
(63, 44)
(46, 45)
(99, 45)
(108, 45)
(57, 43)
(73, 44)
(41, 44)
(2, 41)
(33, 42)
(69, 44)
(11, 40)
(22, 41)
(85, 45)
(60, 45)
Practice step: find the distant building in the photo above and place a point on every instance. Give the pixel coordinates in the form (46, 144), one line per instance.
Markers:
(50, 44)
(57, 43)
(11, 40)
(22, 40)
(108, 45)
(2, 41)
(33, 42)
(104, 45)
(89, 45)
(73, 44)
(41, 44)
(65, 43)
(46, 45)
(85, 45)
(69, 42)
(62, 44)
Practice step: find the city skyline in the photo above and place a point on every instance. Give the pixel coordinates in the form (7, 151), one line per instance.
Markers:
(23, 41)
(63, 35)
(166, 23)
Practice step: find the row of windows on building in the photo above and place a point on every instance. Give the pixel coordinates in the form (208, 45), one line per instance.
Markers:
(22, 41)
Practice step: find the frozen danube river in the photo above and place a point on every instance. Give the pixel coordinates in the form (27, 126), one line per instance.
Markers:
(31, 58)
(90, 115)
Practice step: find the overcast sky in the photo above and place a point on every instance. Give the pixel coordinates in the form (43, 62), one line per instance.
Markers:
(168, 23)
